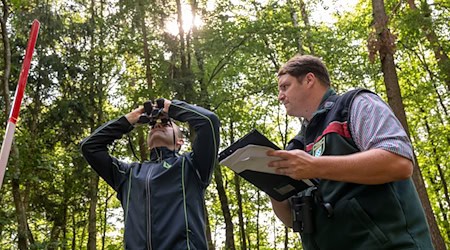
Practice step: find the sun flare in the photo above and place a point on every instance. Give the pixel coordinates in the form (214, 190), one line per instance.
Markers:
(171, 25)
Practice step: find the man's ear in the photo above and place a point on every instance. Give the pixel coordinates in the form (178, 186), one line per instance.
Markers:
(180, 142)
(310, 78)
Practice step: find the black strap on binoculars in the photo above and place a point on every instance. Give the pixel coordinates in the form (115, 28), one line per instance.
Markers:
(303, 206)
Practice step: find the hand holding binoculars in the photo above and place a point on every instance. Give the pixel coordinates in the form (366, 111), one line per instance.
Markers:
(154, 113)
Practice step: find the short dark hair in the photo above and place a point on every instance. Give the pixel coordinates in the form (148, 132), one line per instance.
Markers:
(300, 65)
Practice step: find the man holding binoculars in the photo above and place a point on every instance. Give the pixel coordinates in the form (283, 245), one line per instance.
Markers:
(163, 198)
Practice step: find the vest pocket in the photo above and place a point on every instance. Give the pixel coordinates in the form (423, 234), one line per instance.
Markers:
(367, 222)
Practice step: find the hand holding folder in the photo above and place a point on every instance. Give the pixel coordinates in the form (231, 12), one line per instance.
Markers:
(247, 157)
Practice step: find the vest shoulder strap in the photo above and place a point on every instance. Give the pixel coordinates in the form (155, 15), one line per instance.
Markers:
(347, 100)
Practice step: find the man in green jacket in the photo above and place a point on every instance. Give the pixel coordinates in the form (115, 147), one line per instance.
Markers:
(362, 156)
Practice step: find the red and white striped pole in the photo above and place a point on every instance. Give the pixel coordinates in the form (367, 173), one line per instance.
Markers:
(11, 126)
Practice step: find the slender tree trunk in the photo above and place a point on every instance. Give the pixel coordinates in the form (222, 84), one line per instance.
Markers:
(208, 229)
(286, 238)
(65, 222)
(386, 52)
(257, 218)
(30, 234)
(203, 95)
(4, 90)
(22, 231)
(93, 177)
(435, 182)
(186, 79)
(98, 89)
(2, 215)
(437, 161)
(229, 235)
(74, 231)
(181, 34)
(93, 199)
(105, 217)
(17, 196)
(445, 223)
(237, 183)
(83, 234)
(147, 60)
(143, 148)
(54, 234)
(426, 25)
(305, 18)
(294, 18)
(6, 58)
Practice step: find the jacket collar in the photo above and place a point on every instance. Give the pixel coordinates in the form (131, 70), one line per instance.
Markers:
(325, 105)
(160, 153)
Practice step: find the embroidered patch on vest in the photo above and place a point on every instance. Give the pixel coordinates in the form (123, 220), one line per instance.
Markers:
(166, 165)
(319, 147)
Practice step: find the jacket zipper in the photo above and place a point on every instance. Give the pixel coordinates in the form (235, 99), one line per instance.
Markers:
(148, 211)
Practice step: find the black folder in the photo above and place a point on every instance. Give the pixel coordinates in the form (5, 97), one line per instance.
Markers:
(247, 157)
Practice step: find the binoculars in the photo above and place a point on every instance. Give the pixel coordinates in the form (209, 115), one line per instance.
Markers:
(302, 208)
(154, 114)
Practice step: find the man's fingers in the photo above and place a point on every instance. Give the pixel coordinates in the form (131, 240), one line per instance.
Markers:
(279, 153)
(283, 163)
(282, 171)
(274, 164)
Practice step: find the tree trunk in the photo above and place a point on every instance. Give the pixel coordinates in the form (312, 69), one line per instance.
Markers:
(105, 217)
(181, 34)
(294, 18)
(65, 222)
(54, 233)
(20, 208)
(147, 60)
(6, 58)
(143, 147)
(305, 18)
(97, 87)
(22, 231)
(436, 159)
(186, 78)
(74, 232)
(92, 196)
(286, 238)
(237, 184)
(4, 90)
(203, 95)
(208, 229)
(258, 199)
(440, 180)
(229, 235)
(426, 25)
(435, 184)
(386, 51)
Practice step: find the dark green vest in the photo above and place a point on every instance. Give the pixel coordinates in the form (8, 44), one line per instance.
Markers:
(386, 216)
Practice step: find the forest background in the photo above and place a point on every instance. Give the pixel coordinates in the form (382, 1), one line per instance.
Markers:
(96, 60)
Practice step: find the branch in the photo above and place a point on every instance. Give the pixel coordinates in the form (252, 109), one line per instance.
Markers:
(222, 62)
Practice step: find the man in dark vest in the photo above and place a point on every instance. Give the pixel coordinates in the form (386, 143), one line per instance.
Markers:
(362, 156)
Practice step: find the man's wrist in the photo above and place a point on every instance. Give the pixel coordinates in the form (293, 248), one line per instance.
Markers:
(133, 116)
(130, 118)
(167, 104)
